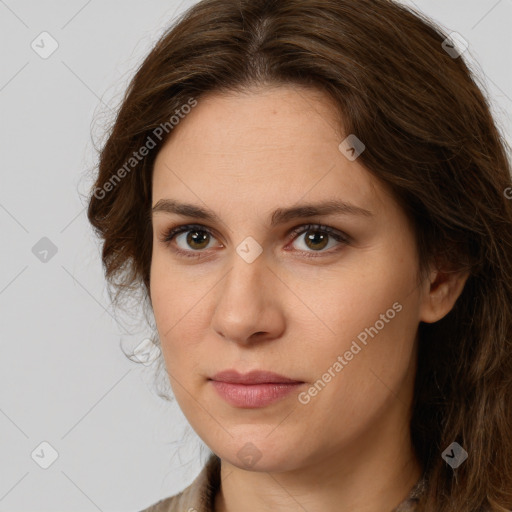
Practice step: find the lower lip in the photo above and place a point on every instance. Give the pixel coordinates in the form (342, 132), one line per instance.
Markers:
(252, 396)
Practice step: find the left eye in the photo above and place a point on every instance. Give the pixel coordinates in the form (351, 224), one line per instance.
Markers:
(317, 237)
(198, 237)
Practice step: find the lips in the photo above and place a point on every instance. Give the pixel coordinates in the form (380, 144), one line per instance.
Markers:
(253, 377)
(254, 389)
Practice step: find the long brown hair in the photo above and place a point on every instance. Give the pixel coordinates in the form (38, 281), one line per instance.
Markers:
(429, 135)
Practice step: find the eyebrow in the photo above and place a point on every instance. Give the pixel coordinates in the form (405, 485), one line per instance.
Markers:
(279, 216)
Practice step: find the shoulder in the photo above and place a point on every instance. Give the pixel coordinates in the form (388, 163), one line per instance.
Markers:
(198, 496)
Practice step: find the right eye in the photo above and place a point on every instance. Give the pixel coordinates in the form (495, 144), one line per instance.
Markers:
(192, 235)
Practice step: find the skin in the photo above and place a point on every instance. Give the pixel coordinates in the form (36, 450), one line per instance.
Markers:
(348, 448)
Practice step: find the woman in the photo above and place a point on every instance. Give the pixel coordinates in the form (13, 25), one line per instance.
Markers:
(313, 197)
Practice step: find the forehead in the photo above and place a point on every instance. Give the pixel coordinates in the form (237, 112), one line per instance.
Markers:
(258, 120)
(267, 144)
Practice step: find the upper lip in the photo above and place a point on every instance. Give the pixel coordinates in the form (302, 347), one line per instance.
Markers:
(253, 377)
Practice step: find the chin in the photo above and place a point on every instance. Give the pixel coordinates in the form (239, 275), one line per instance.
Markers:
(261, 453)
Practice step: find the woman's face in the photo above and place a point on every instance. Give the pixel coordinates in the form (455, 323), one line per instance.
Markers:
(255, 288)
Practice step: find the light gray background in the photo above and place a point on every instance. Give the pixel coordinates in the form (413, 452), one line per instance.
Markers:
(64, 378)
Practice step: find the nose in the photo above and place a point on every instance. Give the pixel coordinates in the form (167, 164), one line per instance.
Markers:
(248, 306)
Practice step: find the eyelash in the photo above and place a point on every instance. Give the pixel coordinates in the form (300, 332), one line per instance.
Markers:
(171, 233)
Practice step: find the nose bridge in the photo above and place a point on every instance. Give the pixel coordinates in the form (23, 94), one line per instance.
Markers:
(243, 298)
(244, 282)
(248, 266)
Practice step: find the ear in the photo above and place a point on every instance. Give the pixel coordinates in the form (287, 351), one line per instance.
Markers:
(441, 291)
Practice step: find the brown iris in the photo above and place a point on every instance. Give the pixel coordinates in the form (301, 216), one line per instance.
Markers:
(316, 238)
(195, 237)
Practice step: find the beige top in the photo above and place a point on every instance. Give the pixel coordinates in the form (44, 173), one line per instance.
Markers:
(199, 496)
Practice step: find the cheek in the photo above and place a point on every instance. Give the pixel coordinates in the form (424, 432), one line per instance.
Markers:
(376, 355)
(171, 289)
(178, 306)
(367, 311)
(165, 298)
(353, 297)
